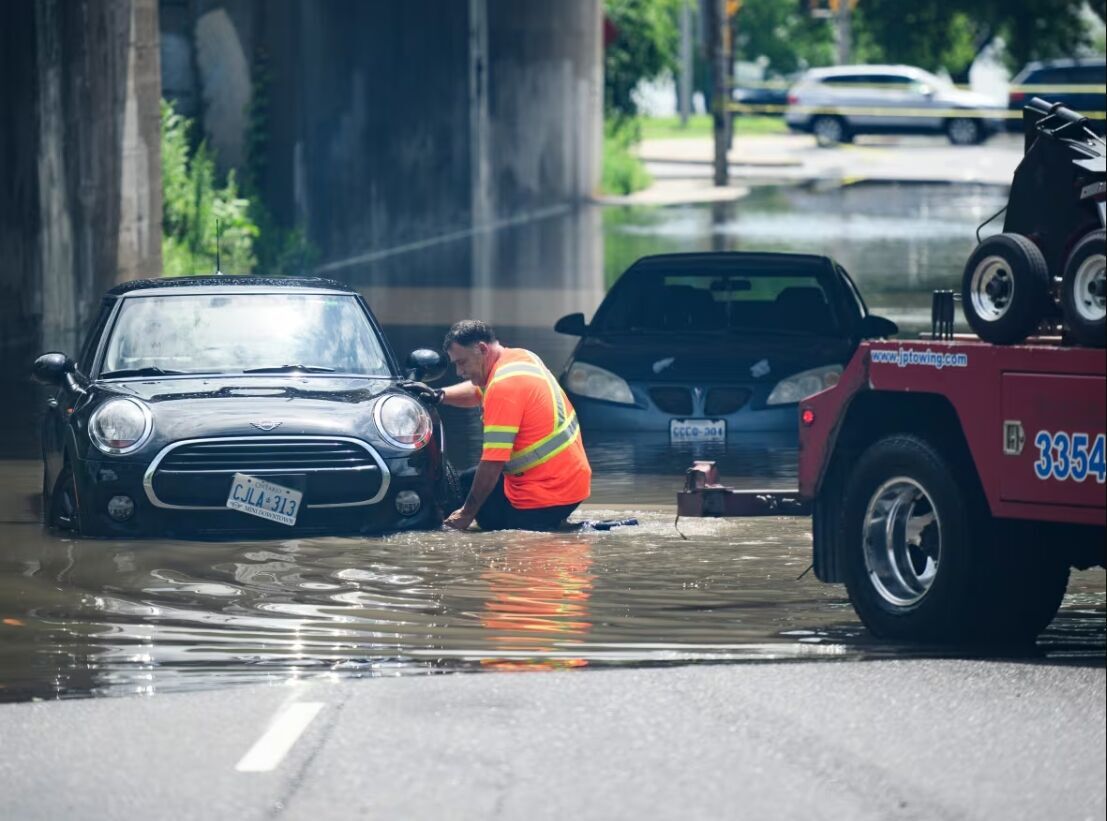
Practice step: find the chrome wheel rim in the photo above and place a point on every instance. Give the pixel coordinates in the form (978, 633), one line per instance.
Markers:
(991, 288)
(963, 132)
(1088, 286)
(902, 541)
(828, 130)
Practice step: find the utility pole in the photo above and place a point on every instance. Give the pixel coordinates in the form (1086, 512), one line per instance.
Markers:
(685, 61)
(845, 44)
(721, 63)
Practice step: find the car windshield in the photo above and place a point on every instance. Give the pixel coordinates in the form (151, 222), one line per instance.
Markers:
(750, 302)
(233, 333)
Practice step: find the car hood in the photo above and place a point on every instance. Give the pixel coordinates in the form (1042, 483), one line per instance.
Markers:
(244, 406)
(711, 359)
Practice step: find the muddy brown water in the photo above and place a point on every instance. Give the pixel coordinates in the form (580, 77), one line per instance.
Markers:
(120, 617)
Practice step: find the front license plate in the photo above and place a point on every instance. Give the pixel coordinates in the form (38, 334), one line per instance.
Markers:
(697, 430)
(266, 500)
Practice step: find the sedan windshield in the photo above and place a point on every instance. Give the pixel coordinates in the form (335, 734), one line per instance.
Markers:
(747, 302)
(236, 333)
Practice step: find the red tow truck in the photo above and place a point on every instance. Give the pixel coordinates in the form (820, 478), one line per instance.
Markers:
(952, 484)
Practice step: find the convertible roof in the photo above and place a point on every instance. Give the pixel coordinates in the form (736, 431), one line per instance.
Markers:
(215, 281)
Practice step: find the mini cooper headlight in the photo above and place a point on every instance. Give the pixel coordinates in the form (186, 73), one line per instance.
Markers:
(120, 426)
(403, 422)
(799, 386)
(596, 383)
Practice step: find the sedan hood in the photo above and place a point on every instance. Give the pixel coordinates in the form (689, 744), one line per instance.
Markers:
(711, 359)
(244, 406)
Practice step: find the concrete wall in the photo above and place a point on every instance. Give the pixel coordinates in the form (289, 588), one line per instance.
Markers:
(80, 194)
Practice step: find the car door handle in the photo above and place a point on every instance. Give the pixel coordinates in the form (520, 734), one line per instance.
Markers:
(52, 403)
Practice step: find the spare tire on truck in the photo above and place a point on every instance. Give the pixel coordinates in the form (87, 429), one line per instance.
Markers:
(1082, 290)
(1005, 289)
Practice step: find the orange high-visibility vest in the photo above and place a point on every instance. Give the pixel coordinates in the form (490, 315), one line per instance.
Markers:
(530, 425)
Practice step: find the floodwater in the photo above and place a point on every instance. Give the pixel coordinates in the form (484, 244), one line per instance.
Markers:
(111, 618)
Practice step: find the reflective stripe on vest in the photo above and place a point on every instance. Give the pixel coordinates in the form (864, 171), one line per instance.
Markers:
(544, 449)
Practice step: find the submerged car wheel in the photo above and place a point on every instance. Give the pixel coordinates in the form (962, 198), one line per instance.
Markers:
(907, 536)
(964, 131)
(829, 131)
(65, 507)
(1005, 289)
(1082, 290)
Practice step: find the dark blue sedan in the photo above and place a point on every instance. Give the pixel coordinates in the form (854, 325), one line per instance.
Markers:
(705, 345)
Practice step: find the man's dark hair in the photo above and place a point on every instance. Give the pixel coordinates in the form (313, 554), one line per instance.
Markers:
(469, 332)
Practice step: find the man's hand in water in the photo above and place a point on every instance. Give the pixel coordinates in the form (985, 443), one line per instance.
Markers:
(459, 520)
(421, 391)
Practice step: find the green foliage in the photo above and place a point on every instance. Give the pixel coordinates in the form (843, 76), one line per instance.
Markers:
(784, 34)
(647, 37)
(936, 34)
(192, 204)
(623, 172)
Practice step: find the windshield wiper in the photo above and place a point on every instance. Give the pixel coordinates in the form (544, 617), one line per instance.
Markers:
(291, 369)
(152, 370)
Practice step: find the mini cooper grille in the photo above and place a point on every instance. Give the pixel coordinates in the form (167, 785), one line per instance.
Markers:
(330, 472)
(672, 400)
(721, 401)
(287, 455)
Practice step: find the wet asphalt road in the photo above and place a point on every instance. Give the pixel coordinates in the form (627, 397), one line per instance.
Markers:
(900, 739)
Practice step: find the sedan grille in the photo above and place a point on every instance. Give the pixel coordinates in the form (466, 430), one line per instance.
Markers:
(677, 401)
(723, 401)
(329, 471)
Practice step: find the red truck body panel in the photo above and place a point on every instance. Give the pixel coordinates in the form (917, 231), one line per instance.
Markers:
(1033, 415)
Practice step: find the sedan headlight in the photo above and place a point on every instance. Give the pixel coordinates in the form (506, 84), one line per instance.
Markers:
(120, 426)
(403, 422)
(799, 386)
(596, 383)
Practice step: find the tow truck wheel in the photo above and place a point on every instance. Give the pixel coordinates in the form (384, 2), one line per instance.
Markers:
(1005, 289)
(907, 540)
(1082, 290)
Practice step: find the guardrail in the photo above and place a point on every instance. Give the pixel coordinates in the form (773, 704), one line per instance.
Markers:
(892, 111)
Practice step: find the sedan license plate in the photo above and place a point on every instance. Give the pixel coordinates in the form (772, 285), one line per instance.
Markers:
(697, 430)
(267, 500)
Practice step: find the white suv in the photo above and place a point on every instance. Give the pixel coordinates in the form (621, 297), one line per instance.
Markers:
(837, 103)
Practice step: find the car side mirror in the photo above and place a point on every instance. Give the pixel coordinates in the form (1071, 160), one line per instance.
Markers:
(425, 365)
(877, 327)
(52, 368)
(572, 325)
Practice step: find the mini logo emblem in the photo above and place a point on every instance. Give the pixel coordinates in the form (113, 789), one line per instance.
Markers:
(266, 425)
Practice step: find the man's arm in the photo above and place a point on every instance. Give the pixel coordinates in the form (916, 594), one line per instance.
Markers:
(488, 473)
(461, 395)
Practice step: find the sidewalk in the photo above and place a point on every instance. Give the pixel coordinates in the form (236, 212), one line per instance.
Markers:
(686, 165)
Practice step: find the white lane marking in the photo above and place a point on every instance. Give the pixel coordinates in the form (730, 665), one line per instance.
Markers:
(268, 750)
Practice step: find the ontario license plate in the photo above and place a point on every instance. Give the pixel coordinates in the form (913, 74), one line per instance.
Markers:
(697, 430)
(267, 500)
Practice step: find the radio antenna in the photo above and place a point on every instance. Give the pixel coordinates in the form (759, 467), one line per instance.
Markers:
(218, 243)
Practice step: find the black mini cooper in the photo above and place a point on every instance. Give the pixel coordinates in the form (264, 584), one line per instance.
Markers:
(224, 405)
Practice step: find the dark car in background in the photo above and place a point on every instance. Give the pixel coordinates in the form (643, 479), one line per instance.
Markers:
(220, 405)
(704, 345)
(1077, 84)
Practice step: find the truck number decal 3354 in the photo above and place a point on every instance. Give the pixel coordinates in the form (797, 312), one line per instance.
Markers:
(1073, 456)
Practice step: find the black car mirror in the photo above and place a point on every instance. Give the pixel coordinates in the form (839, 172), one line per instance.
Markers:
(52, 368)
(426, 365)
(877, 327)
(572, 325)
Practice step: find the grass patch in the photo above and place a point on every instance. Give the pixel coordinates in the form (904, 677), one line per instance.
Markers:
(623, 172)
(701, 127)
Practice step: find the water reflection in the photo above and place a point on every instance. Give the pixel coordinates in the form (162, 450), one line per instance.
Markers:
(102, 617)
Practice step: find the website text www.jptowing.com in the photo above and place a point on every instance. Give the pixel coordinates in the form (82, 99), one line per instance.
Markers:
(926, 359)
